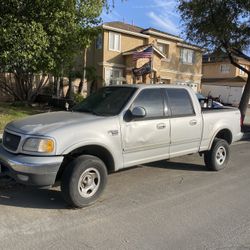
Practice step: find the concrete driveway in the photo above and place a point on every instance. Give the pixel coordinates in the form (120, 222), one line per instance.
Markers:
(173, 204)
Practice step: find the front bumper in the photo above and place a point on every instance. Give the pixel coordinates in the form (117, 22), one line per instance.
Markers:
(30, 170)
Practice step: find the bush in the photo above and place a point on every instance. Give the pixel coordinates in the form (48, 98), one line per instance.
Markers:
(78, 97)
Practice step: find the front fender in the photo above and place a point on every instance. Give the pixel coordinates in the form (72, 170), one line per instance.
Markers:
(85, 143)
(114, 151)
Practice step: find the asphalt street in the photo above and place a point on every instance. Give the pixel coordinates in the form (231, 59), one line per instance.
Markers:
(174, 204)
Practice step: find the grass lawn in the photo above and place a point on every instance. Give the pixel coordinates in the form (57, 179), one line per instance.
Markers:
(8, 113)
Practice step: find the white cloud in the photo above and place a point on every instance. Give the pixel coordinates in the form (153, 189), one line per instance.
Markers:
(163, 23)
(164, 15)
(156, 4)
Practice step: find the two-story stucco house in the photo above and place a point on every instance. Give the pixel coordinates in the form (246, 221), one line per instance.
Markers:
(173, 60)
(222, 79)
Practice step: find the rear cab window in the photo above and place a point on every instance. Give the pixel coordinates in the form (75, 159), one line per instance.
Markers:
(179, 102)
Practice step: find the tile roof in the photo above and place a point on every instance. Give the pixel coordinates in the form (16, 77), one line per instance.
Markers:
(163, 32)
(124, 26)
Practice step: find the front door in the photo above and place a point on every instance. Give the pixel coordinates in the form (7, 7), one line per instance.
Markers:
(148, 138)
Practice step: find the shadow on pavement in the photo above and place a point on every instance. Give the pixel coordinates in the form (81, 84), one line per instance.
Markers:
(246, 128)
(176, 166)
(14, 194)
(17, 195)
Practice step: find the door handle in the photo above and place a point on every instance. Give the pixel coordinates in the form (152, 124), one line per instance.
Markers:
(161, 125)
(193, 122)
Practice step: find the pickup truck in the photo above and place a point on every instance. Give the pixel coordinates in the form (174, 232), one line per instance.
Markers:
(115, 128)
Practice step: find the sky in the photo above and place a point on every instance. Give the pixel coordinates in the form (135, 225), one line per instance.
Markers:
(158, 14)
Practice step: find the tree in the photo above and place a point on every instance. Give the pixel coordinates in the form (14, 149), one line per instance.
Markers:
(42, 37)
(220, 24)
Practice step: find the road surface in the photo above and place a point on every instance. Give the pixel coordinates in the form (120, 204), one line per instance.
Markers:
(173, 204)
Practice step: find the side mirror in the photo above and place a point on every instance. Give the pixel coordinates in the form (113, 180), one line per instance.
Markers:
(138, 112)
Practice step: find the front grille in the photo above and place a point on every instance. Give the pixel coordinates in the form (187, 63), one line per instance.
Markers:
(11, 141)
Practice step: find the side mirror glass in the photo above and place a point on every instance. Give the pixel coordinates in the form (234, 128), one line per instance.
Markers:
(138, 112)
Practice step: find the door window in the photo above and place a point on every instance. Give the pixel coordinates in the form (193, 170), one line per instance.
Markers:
(180, 102)
(152, 101)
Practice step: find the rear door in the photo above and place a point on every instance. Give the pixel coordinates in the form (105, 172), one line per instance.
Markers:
(186, 125)
(148, 138)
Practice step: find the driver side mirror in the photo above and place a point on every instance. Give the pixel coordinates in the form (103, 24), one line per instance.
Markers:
(138, 112)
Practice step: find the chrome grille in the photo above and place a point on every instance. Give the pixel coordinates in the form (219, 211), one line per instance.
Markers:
(11, 141)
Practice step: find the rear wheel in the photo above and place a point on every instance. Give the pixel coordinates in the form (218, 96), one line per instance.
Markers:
(217, 158)
(83, 181)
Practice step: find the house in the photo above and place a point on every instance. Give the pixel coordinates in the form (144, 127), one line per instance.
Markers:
(173, 61)
(222, 79)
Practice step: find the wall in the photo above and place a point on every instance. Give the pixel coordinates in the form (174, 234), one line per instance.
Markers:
(128, 42)
(212, 70)
(170, 68)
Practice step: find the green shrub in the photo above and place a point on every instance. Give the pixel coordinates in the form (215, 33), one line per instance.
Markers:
(78, 97)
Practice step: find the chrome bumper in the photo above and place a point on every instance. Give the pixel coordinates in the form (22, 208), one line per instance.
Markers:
(30, 170)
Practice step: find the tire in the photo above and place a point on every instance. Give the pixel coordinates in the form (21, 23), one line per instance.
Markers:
(217, 158)
(83, 181)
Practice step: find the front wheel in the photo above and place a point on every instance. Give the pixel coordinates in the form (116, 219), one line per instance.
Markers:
(217, 157)
(83, 181)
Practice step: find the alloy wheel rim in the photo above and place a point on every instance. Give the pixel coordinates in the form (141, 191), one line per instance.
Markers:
(89, 182)
(221, 155)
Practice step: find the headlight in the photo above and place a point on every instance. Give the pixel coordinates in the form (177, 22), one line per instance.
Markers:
(41, 145)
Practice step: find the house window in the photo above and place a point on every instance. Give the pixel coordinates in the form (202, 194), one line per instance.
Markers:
(113, 76)
(98, 42)
(164, 48)
(114, 41)
(187, 56)
(224, 68)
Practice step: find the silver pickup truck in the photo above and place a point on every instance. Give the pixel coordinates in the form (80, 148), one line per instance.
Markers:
(115, 128)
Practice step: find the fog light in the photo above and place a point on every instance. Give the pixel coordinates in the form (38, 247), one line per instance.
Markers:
(23, 177)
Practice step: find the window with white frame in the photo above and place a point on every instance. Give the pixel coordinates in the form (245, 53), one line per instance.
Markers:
(187, 56)
(164, 48)
(113, 76)
(224, 68)
(114, 41)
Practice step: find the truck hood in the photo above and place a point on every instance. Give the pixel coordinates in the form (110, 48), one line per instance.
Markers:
(44, 124)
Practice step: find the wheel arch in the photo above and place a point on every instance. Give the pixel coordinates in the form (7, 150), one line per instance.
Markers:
(223, 133)
(95, 150)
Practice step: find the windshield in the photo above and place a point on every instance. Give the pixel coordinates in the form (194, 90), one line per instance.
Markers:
(107, 101)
